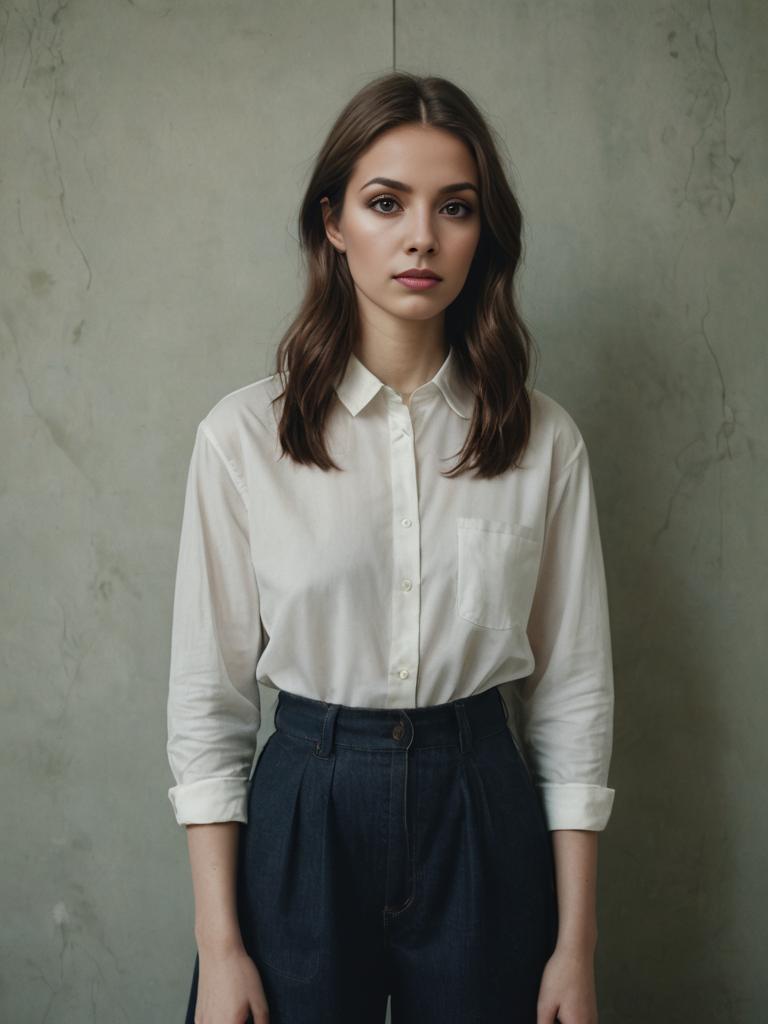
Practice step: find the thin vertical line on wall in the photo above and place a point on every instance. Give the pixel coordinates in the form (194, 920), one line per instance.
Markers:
(394, 38)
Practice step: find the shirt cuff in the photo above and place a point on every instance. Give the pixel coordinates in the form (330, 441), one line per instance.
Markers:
(576, 805)
(210, 800)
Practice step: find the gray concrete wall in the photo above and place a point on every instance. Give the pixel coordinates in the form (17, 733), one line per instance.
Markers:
(152, 155)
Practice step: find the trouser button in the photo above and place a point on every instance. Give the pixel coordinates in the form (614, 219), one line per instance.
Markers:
(398, 731)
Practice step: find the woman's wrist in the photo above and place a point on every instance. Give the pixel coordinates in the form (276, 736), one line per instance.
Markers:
(580, 942)
(218, 941)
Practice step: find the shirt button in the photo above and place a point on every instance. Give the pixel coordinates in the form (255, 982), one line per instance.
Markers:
(404, 673)
(406, 522)
(406, 585)
(398, 731)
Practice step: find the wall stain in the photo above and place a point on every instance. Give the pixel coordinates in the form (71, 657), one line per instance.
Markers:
(41, 282)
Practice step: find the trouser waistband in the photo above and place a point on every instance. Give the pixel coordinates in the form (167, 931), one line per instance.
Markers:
(456, 723)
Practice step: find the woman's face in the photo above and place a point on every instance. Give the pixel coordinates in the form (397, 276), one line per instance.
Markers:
(425, 215)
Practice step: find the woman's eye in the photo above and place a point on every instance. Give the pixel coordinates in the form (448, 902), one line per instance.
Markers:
(462, 206)
(454, 203)
(382, 199)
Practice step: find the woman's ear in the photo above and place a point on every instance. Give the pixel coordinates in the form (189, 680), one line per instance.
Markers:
(333, 234)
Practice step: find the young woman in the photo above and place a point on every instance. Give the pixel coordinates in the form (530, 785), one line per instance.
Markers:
(398, 836)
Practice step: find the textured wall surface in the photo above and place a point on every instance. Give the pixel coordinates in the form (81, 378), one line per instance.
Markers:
(152, 156)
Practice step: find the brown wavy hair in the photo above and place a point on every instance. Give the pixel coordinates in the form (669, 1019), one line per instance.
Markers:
(491, 344)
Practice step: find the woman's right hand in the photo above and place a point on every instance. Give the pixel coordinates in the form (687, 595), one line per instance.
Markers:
(229, 988)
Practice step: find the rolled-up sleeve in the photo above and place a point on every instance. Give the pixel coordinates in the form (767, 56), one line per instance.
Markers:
(568, 699)
(213, 710)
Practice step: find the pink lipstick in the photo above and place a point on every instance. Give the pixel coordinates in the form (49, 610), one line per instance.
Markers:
(418, 278)
(418, 283)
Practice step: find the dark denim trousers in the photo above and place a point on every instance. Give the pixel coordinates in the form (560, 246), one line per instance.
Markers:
(398, 852)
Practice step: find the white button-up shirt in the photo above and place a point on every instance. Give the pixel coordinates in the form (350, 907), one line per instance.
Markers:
(387, 585)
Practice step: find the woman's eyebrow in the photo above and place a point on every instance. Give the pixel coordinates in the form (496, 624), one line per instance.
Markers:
(402, 187)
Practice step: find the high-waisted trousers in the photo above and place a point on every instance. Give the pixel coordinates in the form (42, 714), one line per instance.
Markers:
(395, 852)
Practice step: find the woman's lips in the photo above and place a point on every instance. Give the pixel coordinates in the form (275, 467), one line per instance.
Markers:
(418, 283)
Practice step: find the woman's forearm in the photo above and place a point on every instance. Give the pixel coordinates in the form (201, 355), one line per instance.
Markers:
(213, 860)
(575, 852)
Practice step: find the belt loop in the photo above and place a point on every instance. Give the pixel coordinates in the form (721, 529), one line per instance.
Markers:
(324, 745)
(465, 730)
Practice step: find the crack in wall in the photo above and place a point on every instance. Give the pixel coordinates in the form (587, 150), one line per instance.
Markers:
(56, 435)
(728, 421)
(58, 58)
(27, 55)
(38, 42)
(710, 181)
(696, 466)
(724, 431)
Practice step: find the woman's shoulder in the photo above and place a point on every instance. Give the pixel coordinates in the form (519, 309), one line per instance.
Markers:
(554, 429)
(249, 401)
(243, 416)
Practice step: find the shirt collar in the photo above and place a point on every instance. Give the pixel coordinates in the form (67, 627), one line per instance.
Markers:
(358, 386)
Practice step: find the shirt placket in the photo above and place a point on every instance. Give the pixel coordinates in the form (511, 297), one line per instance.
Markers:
(406, 556)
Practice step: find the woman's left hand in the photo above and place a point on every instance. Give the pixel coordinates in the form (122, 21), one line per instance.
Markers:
(567, 991)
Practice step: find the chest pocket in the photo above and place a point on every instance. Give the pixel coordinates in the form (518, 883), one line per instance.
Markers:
(497, 569)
